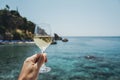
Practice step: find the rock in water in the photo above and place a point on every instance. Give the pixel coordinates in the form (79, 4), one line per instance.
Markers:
(56, 37)
(65, 40)
(90, 57)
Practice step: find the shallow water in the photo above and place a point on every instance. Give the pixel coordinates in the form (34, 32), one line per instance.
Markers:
(69, 61)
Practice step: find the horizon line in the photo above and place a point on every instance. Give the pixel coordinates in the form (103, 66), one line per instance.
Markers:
(90, 36)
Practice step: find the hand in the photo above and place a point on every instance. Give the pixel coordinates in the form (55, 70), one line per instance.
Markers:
(31, 66)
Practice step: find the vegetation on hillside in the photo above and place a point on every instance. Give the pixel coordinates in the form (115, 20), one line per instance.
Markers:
(15, 27)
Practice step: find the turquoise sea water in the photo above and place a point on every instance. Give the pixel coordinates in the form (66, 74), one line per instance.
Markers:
(69, 61)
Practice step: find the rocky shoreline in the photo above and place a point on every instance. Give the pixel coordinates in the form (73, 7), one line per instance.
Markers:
(54, 41)
(16, 42)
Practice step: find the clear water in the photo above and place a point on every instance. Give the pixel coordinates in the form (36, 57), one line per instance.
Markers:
(67, 60)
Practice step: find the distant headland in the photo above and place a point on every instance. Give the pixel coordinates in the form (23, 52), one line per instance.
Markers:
(15, 27)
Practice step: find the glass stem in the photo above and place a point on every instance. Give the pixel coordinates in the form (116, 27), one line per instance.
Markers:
(43, 66)
(42, 51)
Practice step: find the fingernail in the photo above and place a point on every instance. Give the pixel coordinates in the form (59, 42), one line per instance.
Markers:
(44, 54)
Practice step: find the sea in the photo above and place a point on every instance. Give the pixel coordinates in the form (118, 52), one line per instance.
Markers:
(81, 58)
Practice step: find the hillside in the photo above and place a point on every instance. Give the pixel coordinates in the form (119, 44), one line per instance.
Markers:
(15, 27)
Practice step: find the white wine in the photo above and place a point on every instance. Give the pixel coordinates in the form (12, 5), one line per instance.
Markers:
(43, 41)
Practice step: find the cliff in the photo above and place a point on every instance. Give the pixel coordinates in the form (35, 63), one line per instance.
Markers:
(15, 27)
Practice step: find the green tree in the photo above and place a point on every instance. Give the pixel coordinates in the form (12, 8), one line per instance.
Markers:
(7, 7)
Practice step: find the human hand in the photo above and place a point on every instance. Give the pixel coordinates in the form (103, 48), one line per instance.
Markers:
(31, 66)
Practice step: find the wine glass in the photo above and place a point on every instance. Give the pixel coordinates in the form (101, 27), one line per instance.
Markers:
(43, 38)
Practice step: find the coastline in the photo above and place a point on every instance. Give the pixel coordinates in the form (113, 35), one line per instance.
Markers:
(15, 42)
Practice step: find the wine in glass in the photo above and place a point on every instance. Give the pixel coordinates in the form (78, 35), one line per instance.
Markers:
(43, 38)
